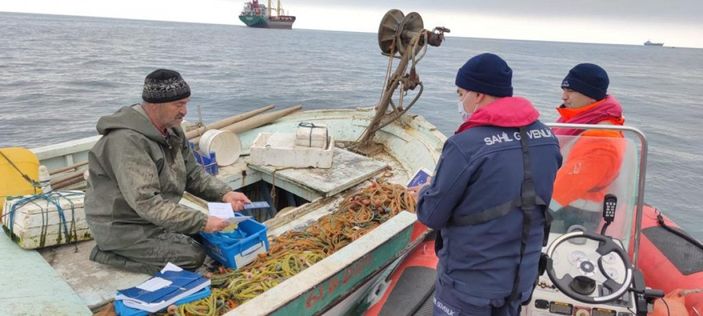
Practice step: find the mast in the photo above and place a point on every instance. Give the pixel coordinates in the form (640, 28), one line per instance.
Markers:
(278, 8)
(254, 7)
(269, 9)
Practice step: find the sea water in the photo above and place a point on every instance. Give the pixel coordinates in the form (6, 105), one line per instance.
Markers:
(59, 74)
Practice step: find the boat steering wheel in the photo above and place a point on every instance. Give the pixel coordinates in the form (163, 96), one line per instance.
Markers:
(581, 287)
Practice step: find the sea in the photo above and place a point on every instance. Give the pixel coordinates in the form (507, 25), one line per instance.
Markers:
(59, 74)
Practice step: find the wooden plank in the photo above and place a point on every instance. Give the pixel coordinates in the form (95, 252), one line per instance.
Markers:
(69, 168)
(293, 187)
(348, 170)
(32, 287)
(95, 283)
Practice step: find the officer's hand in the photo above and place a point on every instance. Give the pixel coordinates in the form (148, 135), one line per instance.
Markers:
(237, 199)
(215, 224)
(414, 191)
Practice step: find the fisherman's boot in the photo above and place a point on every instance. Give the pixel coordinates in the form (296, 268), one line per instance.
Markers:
(115, 260)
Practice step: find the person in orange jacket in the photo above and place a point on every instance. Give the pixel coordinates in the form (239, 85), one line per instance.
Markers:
(592, 157)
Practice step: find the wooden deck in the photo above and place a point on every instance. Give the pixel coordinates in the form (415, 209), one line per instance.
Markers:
(30, 286)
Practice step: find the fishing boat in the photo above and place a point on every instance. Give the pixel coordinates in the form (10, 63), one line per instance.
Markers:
(649, 43)
(407, 145)
(602, 261)
(258, 15)
(384, 143)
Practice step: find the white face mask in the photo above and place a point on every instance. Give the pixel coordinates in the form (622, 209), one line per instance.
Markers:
(460, 107)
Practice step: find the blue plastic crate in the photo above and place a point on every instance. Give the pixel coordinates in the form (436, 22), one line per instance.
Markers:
(122, 310)
(240, 247)
(209, 162)
(210, 165)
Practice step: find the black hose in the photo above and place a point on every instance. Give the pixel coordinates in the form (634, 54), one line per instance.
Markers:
(668, 312)
(678, 232)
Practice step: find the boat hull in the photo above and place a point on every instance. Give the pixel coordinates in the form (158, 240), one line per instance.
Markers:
(409, 288)
(263, 22)
(668, 261)
(342, 273)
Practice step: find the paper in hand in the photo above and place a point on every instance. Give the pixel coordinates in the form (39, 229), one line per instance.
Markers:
(225, 211)
(221, 210)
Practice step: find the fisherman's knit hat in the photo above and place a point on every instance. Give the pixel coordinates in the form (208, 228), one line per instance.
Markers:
(589, 79)
(486, 73)
(163, 85)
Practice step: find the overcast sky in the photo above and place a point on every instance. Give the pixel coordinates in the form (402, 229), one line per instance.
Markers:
(674, 22)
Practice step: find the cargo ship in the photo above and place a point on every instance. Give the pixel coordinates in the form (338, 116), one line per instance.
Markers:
(649, 43)
(259, 15)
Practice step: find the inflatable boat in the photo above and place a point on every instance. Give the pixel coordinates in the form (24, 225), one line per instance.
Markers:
(654, 258)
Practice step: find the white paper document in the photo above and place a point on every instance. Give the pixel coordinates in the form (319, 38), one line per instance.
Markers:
(171, 267)
(225, 211)
(221, 210)
(154, 284)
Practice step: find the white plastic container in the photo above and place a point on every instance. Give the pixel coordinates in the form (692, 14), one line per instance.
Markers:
(225, 145)
(311, 135)
(279, 150)
(37, 222)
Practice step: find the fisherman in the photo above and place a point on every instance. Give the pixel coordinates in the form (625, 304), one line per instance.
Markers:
(489, 195)
(593, 157)
(139, 170)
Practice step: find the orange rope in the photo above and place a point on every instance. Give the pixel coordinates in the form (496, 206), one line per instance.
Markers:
(295, 251)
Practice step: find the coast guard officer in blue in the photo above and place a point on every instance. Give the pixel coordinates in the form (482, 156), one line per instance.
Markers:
(489, 196)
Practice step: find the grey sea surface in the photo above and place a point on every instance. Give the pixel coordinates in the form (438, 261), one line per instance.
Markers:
(59, 74)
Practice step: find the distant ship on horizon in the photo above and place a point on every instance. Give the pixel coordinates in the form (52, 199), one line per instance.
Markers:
(258, 15)
(650, 43)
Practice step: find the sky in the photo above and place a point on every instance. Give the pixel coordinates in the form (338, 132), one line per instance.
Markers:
(674, 22)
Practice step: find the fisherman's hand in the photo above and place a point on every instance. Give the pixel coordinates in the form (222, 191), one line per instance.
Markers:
(215, 224)
(237, 199)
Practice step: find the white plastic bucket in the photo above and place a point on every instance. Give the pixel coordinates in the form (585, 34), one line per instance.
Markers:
(225, 145)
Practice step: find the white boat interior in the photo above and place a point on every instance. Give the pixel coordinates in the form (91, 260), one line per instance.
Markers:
(64, 280)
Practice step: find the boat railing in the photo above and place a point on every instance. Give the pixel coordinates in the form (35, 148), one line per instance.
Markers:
(641, 175)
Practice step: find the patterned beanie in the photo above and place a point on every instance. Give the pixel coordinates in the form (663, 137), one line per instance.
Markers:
(163, 85)
(589, 79)
(486, 73)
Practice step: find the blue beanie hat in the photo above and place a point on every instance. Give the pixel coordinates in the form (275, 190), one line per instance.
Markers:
(588, 79)
(486, 73)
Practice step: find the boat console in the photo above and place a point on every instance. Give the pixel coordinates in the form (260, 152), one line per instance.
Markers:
(589, 267)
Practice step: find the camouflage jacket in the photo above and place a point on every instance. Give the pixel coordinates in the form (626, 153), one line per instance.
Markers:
(137, 177)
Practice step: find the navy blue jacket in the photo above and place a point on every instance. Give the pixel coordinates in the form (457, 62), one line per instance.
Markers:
(482, 167)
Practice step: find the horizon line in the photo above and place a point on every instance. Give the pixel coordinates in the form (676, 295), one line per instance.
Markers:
(349, 31)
